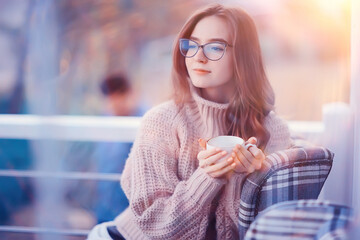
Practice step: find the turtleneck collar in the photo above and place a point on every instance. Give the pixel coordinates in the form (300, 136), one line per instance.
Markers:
(195, 93)
(209, 116)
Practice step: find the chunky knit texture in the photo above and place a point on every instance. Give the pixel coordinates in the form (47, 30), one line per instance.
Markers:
(170, 196)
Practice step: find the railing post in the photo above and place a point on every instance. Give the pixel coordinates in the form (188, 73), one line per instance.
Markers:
(338, 135)
(355, 98)
(41, 88)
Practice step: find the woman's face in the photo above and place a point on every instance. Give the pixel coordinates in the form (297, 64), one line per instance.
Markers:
(214, 78)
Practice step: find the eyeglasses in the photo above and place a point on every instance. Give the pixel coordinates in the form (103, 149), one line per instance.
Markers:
(213, 51)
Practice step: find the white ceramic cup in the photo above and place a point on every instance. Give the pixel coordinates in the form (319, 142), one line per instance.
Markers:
(226, 143)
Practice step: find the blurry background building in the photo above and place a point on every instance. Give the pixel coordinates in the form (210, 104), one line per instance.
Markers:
(55, 53)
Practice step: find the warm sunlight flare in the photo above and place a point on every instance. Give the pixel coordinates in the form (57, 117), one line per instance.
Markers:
(334, 7)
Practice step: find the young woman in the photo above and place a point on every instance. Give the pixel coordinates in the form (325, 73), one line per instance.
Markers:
(176, 188)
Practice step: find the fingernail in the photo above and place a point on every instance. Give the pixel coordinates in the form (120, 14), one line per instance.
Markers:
(223, 153)
(230, 160)
(233, 165)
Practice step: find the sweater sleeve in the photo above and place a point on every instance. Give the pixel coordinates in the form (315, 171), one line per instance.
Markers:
(164, 206)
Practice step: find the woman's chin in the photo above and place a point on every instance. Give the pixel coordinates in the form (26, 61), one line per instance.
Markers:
(199, 83)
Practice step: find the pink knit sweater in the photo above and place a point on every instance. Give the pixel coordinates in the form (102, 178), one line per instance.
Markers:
(170, 196)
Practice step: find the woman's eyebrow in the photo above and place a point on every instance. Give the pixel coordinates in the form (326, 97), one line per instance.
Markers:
(194, 38)
(217, 40)
(210, 40)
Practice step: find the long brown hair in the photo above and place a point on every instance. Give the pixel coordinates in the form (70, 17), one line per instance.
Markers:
(254, 97)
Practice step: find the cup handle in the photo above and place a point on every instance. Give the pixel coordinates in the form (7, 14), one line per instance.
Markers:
(249, 145)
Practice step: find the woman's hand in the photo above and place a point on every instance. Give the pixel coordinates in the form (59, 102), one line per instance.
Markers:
(248, 160)
(208, 160)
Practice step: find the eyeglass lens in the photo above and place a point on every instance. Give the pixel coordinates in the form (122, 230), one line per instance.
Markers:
(213, 51)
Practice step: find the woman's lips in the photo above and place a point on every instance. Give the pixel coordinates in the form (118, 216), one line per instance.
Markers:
(200, 71)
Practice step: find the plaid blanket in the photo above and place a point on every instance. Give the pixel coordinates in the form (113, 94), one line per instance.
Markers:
(292, 174)
(302, 219)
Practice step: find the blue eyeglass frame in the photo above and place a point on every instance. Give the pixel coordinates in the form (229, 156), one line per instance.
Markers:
(202, 46)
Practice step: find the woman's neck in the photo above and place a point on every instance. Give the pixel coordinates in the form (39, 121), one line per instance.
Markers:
(214, 95)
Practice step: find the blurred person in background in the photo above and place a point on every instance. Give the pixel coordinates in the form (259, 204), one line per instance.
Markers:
(110, 157)
(177, 189)
(120, 97)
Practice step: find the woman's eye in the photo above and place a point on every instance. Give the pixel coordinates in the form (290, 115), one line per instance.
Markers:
(216, 48)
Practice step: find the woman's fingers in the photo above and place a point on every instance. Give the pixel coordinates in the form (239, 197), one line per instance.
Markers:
(207, 153)
(256, 152)
(216, 168)
(202, 143)
(251, 159)
(252, 140)
(239, 167)
(212, 159)
(209, 157)
(219, 166)
(223, 171)
(259, 157)
(244, 157)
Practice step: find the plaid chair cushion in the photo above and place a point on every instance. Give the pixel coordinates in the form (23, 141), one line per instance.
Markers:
(302, 219)
(292, 174)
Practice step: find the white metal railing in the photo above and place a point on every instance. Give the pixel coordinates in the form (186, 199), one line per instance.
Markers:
(85, 128)
(71, 128)
(60, 175)
(57, 231)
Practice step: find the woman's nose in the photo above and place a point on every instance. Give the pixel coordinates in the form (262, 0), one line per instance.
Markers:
(200, 56)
